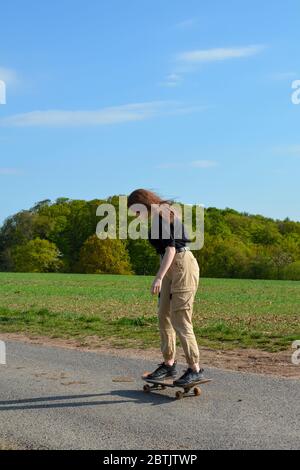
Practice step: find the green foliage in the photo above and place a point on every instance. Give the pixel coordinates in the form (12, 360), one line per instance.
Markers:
(104, 256)
(215, 223)
(143, 257)
(237, 245)
(261, 265)
(224, 257)
(265, 234)
(292, 271)
(36, 256)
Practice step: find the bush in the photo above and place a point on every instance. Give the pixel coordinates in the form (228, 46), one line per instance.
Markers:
(36, 256)
(104, 256)
(292, 271)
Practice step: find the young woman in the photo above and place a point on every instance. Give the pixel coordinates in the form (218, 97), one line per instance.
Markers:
(175, 283)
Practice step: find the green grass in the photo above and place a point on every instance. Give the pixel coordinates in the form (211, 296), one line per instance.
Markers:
(118, 310)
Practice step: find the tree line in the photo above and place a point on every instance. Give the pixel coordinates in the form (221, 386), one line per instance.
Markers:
(60, 236)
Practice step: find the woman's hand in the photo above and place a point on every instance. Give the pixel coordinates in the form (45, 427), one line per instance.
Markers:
(165, 264)
(156, 286)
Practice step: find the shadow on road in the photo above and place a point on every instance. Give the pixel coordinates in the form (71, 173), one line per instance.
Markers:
(67, 401)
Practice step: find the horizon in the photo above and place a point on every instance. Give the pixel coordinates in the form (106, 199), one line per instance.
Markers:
(246, 214)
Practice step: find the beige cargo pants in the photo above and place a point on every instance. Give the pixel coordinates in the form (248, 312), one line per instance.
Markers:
(175, 309)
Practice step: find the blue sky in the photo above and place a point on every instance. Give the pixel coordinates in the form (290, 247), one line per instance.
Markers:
(191, 99)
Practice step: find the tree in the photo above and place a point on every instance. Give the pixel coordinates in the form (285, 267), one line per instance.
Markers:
(265, 233)
(104, 256)
(236, 244)
(261, 265)
(227, 257)
(40, 204)
(215, 222)
(292, 271)
(143, 257)
(280, 259)
(16, 230)
(36, 256)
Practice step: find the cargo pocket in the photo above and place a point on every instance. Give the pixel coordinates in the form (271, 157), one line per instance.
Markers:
(185, 273)
(182, 301)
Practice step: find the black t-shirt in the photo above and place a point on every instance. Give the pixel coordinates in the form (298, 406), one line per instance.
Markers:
(167, 235)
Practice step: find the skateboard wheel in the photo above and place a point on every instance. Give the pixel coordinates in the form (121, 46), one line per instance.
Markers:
(197, 391)
(178, 395)
(146, 388)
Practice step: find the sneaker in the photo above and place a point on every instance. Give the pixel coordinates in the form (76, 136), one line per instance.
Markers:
(163, 371)
(189, 377)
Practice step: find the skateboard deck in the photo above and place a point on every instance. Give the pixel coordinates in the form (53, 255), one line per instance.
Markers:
(153, 384)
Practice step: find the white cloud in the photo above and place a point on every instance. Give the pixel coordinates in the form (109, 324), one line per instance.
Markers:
(187, 61)
(8, 76)
(104, 116)
(192, 164)
(220, 54)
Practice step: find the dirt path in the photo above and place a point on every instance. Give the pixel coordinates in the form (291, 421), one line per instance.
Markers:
(244, 360)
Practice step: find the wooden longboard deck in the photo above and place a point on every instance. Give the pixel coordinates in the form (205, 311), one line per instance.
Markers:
(169, 382)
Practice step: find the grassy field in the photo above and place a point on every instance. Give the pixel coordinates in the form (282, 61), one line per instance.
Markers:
(119, 310)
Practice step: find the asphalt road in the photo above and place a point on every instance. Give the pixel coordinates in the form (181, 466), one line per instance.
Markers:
(52, 398)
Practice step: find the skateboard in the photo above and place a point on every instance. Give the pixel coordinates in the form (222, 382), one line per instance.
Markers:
(153, 384)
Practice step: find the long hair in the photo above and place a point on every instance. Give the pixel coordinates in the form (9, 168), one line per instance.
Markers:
(147, 198)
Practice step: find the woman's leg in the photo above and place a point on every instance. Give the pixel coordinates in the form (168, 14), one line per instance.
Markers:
(167, 333)
(185, 274)
(181, 317)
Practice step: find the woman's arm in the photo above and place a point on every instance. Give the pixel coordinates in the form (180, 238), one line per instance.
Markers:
(165, 264)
